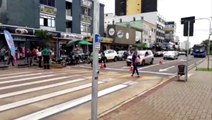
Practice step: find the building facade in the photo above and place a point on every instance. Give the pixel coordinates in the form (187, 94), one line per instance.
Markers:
(131, 7)
(72, 16)
(152, 19)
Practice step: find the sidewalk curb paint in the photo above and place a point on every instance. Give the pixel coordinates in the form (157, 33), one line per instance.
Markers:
(142, 95)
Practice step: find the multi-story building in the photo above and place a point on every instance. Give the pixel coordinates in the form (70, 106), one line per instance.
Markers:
(170, 30)
(73, 16)
(130, 7)
(170, 35)
(152, 18)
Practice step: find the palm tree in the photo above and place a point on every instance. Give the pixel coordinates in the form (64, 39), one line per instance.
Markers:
(45, 36)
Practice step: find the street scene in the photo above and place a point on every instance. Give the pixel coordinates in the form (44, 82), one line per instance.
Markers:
(105, 60)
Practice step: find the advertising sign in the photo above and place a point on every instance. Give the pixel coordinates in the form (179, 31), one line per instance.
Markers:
(10, 43)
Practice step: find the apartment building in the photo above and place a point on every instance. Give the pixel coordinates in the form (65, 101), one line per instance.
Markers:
(72, 16)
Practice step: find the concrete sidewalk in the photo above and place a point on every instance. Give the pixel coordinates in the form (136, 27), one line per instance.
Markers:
(191, 100)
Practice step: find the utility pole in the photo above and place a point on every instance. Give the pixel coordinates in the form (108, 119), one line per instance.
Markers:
(96, 48)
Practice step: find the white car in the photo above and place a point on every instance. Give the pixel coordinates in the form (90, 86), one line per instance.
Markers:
(146, 57)
(110, 55)
(170, 55)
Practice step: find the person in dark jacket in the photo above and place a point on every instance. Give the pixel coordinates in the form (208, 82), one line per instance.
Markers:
(134, 63)
(46, 58)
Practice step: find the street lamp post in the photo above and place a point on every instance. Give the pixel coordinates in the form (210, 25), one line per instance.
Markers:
(96, 47)
(210, 32)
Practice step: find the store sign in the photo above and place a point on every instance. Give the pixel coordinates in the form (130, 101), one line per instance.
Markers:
(17, 30)
(71, 36)
(106, 40)
(48, 10)
(120, 34)
(87, 3)
(86, 19)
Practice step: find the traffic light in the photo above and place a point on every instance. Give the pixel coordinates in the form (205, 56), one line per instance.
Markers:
(185, 21)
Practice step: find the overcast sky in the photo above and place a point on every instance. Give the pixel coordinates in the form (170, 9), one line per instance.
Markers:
(174, 10)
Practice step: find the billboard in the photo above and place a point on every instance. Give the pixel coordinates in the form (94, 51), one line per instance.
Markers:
(121, 34)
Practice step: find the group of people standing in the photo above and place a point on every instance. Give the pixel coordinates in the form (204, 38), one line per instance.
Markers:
(6, 57)
(40, 55)
(35, 55)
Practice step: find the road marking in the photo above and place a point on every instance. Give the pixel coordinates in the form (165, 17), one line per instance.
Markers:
(157, 73)
(70, 104)
(25, 75)
(161, 70)
(14, 74)
(40, 88)
(43, 97)
(24, 79)
(36, 82)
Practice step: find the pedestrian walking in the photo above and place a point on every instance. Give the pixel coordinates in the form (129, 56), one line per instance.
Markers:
(39, 54)
(3, 52)
(135, 58)
(10, 59)
(103, 58)
(46, 58)
(29, 56)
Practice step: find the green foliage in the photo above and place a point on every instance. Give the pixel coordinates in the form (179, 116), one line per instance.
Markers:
(204, 69)
(44, 35)
(141, 46)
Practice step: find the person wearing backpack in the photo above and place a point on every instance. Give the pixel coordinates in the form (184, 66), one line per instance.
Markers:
(46, 58)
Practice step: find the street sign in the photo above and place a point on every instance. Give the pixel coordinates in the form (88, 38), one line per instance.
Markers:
(188, 21)
(97, 39)
(97, 42)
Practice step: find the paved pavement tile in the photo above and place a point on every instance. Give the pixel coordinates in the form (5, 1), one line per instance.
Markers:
(191, 100)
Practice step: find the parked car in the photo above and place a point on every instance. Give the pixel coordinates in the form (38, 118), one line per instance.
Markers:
(110, 55)
(170, 55)
(122, 55)
(182, 53)
(158, 53)
(146, 57)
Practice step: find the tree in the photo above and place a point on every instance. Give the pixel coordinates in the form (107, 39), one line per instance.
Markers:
(45, 36)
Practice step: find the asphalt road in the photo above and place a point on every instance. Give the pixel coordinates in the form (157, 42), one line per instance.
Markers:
(64, 94)
(168, 67)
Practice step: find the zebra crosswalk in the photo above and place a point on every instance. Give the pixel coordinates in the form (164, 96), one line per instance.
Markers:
(39, 94)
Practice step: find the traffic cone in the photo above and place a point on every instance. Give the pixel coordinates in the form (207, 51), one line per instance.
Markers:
(131, 68)
(161, 61)
(102, 66)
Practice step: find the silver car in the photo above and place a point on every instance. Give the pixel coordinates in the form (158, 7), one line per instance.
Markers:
(146, 57)
(170, 55)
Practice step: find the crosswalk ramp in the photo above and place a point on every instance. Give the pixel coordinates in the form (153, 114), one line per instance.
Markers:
(33, 95)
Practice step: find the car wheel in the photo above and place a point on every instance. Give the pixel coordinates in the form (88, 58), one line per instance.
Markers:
(152, 61)
(143, 63)
(115, 59)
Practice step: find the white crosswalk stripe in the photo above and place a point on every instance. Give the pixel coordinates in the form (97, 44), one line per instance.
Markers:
(20, 85)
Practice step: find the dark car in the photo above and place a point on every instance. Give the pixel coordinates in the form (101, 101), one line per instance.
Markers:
(122, 55)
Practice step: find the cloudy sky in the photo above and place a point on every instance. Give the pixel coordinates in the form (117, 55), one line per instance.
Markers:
(174, 10)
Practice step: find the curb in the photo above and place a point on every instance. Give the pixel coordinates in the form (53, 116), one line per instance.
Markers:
(138, 96)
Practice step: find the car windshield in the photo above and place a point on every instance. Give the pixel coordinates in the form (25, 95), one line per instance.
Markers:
(120, 52)
(141, 53)
(170, 52)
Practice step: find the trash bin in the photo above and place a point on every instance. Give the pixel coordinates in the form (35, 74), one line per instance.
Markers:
(181, 70)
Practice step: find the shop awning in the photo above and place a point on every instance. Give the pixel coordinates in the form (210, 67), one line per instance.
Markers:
(84, 42)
